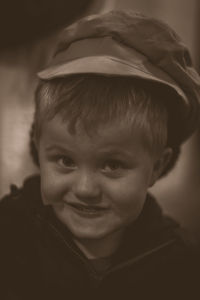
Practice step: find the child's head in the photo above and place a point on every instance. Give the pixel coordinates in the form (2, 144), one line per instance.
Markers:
(106, 119)
(102, 142)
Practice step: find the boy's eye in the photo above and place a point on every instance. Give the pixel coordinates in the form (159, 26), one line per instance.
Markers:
(66, 162)
(113, 165)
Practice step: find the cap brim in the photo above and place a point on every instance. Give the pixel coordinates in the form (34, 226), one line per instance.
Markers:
(109, 66)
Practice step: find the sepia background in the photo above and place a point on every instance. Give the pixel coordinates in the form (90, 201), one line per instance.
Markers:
(22, 54)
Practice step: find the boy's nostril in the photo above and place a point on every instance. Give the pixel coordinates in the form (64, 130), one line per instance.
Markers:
(86, 187)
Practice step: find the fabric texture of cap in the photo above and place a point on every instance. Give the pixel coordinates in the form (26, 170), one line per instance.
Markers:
(125, 43)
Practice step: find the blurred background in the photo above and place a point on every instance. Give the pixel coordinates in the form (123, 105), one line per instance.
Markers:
(27, 33)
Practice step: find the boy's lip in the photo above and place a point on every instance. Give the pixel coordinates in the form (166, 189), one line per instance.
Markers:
(88, 209)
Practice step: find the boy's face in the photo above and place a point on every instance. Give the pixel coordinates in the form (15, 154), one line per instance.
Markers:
(95, 184)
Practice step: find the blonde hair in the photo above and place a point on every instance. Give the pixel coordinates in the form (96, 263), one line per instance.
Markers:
(92, 100)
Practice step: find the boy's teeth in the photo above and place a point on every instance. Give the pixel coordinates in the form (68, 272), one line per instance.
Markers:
(84, 208)
(87, 208)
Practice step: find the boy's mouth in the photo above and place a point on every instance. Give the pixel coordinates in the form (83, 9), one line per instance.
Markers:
(88, 209)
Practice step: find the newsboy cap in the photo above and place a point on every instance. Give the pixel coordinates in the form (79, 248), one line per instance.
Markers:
(126, 43)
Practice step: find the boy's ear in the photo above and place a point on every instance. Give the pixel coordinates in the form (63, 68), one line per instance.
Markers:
(160, 164)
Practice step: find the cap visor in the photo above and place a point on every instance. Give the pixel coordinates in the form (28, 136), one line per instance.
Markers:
(109, 66)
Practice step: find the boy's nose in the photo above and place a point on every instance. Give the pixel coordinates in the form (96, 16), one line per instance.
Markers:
(86, 186)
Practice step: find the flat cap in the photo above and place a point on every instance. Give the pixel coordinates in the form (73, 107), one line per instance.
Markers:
(126, 43)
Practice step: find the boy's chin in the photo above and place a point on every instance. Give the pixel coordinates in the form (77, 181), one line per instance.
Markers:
(96, 244)
(92, 233)
(88, 233)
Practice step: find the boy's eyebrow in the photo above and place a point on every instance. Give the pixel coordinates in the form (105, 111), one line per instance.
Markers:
(114, 152)
(106, 152)
(53, 147)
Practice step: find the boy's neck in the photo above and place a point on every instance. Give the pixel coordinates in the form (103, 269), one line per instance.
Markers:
(100, 248)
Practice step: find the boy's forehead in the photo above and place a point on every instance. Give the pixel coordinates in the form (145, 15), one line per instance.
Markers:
(105, 135)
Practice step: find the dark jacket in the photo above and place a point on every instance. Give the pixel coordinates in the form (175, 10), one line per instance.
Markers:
(40, 261)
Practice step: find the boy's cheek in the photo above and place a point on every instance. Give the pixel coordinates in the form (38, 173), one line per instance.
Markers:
(127, 202)
(54, 184)
(128, 189)
(50, 194)
(127, 197)
(52, 187)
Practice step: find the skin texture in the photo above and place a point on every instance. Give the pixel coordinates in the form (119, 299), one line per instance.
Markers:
(96, 184)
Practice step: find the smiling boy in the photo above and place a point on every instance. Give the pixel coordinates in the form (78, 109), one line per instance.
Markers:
(96, 179)
(105, 130)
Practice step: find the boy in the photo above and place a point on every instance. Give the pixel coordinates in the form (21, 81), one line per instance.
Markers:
(105, 130)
